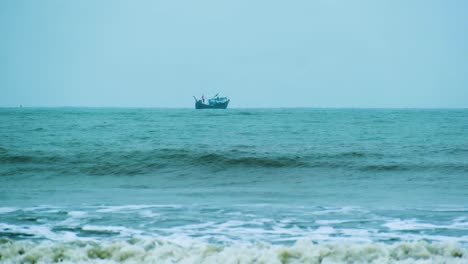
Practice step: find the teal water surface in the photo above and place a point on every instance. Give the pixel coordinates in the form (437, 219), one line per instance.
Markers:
(230, 178)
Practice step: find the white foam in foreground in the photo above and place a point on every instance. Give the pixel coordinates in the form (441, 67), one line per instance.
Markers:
(162, 251)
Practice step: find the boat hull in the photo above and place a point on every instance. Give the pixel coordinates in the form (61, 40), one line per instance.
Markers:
(200, 105)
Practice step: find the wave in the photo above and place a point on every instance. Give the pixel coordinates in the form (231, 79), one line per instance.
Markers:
(241, 223)
(384, 167)
(247, 161)
(138, 162)
(447, 167)
(140, 250)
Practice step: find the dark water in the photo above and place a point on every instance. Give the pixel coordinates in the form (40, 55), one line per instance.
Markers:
(294, 180)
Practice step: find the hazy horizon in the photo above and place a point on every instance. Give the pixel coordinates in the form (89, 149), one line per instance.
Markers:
(320, 54)
(237, 108)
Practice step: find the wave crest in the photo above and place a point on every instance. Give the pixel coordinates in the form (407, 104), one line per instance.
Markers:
(138, 250)
(148, 161)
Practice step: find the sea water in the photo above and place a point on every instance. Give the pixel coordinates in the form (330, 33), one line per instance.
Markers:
(110, 185)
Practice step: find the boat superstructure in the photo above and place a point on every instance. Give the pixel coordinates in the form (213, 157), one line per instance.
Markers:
(215, 102)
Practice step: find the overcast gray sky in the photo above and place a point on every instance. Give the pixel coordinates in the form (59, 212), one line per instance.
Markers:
(264, 53)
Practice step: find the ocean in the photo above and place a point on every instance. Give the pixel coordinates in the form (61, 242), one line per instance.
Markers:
(118, 185)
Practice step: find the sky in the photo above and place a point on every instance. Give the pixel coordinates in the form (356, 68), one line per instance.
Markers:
(259, 53)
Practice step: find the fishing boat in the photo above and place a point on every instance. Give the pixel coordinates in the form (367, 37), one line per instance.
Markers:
(215, 102)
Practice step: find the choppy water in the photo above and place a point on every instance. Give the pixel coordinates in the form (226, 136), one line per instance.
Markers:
(271, 186)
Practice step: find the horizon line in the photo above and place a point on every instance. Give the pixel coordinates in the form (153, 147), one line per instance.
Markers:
(255, 107)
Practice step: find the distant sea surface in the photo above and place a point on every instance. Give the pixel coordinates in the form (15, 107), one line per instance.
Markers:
(111, 185)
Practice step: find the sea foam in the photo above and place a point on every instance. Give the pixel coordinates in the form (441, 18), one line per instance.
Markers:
(138, 250)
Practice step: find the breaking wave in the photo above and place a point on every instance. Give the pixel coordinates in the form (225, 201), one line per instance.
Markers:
(140, 250)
